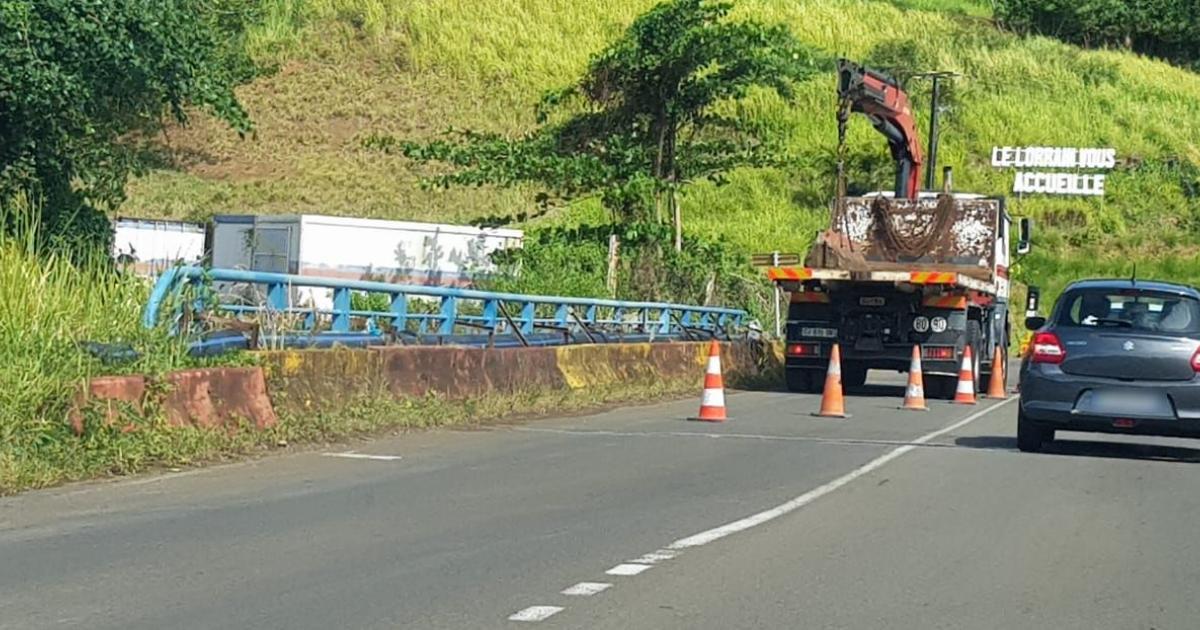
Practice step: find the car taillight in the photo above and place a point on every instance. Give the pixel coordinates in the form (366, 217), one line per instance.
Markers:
(804, 350)
(1048, 349)
(1196, 361)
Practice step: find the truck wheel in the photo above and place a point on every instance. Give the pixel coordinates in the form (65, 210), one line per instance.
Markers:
(804, 381)
(1031, 437)
(854, 375)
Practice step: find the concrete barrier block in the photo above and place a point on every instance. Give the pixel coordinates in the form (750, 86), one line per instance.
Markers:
(219, 397)
(449, 371)
(307, 379)
(323, 378)
(514, 370)
(108, 391)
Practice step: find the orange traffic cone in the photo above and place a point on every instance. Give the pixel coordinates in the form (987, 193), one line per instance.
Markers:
(965, 394)
(833, 405)
(914, 394)
(712, 403)
(996, 383)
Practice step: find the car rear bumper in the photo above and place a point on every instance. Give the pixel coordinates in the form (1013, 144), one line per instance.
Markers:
(1049, 397)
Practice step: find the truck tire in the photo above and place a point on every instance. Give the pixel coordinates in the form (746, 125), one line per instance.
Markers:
(1032, 437)
(854, 375)
(804, 381)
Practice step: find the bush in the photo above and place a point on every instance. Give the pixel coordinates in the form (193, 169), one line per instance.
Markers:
(1168, 30)
(574, 262)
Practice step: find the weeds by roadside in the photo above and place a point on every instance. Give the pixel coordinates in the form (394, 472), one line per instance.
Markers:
(50, 308)
(109, 451)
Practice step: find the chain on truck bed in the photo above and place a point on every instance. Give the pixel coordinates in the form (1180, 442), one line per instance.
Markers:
(914, 244)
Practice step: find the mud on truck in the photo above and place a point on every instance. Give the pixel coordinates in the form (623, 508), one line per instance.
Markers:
(898, 269)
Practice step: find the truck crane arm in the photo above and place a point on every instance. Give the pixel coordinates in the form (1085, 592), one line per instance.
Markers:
(886, 105)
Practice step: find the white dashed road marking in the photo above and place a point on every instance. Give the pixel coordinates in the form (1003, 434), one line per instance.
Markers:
(535, 613)
(587, 589)
(654, 557)
(352, 455)
(627, 569)
(635, 567)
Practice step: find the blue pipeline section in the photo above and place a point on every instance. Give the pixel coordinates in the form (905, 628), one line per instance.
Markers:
(448, 316)
(213, 346)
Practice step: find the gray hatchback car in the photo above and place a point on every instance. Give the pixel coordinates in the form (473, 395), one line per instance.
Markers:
(1115, 356)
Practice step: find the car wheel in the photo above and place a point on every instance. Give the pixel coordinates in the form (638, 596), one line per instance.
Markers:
(854, 376)
(1031, 437)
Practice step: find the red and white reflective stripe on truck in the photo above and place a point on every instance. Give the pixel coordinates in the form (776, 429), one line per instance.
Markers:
(932, 277)
(789, 273)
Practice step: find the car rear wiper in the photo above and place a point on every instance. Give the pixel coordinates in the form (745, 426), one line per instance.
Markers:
(1108, 321)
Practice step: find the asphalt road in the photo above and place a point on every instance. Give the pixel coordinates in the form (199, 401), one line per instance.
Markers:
(775, 519)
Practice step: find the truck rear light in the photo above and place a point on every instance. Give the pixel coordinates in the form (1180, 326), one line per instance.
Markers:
(1048, 349)
(804, 350)
(938, 353)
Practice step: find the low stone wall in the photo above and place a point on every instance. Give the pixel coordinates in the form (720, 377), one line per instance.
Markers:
(303, 379)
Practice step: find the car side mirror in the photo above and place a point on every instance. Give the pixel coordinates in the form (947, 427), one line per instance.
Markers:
(1035, 322)
(1025, 236)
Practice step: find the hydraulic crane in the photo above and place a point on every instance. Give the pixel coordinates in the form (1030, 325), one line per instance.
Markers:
(884, 102)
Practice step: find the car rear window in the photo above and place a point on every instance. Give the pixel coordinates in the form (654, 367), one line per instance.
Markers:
(1145, 311)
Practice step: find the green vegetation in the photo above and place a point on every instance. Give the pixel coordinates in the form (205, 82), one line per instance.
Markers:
(49, 307)
(655, 110)
(411, 69)
(76, 79)
(574, 261)
(1167, 30)
(45, 453)
(971, 8)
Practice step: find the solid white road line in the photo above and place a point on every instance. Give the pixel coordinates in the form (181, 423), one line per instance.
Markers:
(586, 589)
(735, 436)
(627, 569)
(705, 537)
(535, 613)
(380, 458)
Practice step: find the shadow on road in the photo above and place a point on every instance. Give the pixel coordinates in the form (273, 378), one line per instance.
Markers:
(877, 391)
(1088, 448)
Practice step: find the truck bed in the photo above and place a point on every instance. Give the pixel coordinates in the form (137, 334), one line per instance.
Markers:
(939, 240)
(946, 276)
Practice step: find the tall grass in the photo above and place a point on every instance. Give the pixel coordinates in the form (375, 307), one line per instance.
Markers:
(49, 306)
(412, 68)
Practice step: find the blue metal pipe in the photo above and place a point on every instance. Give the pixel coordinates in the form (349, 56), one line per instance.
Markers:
(651, 320)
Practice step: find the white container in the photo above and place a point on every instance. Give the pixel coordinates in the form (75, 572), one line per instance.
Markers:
(400, 252)
(150, 246)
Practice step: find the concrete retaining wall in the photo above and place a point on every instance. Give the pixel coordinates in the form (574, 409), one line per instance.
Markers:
(304, 379)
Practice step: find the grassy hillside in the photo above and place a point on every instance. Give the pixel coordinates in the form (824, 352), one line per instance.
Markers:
(412, 68)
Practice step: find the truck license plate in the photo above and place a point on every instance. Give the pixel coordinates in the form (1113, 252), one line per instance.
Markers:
(871, 301)
(822, 333)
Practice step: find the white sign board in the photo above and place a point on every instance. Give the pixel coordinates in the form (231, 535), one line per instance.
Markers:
(1059, 184)
(1055, 183)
